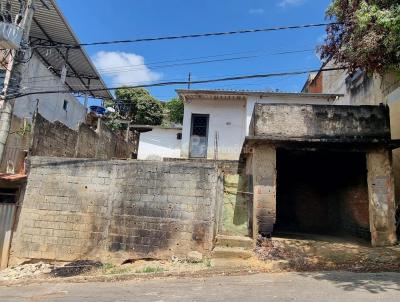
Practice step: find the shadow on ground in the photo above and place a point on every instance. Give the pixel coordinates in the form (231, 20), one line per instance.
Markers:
(75, 268)
(373, 283)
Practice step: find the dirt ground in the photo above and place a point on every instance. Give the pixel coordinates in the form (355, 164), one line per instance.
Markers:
(280, 254)
(317, 253)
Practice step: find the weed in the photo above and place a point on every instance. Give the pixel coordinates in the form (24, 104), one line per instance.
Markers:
(151, 269)
(111, 269)
(207, 262)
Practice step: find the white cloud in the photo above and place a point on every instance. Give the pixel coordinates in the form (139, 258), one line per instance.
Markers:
(286, 3)
(124, 68)
(256, 11)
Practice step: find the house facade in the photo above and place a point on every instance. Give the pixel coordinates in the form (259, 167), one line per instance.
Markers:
(54, 69)
(216, 123)
(62, 107)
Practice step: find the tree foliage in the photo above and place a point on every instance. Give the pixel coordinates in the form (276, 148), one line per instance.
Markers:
(366, 34)
(175, 108)
(138, 106)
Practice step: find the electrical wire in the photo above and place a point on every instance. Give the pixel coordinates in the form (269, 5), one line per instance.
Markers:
(161, 84)
(128, 68)
(189, 36)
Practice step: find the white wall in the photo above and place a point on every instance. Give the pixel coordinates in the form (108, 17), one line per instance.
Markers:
(227, 117)
(334, 81)
(159, 143)
(252, 100)
(38, 78)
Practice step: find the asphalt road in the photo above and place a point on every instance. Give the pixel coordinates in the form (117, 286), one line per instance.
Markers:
(337, 286)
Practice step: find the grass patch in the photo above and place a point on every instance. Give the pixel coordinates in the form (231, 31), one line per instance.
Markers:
(111, 269)
(207, 262)
(150, 269)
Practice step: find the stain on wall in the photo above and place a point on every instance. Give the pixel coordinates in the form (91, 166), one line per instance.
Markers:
(88, 208)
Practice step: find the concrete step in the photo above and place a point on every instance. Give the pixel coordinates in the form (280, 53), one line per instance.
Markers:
(231, 252)
(234, 241)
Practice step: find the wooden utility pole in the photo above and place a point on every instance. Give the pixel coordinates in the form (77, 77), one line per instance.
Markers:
(13, 75)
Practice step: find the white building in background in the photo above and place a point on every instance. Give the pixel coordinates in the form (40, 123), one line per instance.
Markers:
(217, 122)
(44, 69)
(159, 143)
(63, 107)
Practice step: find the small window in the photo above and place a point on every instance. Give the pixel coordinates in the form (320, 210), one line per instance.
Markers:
(179, 136)
(65, 105)
(8, 195)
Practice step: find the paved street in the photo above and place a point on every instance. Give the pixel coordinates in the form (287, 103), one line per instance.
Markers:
(263, 287)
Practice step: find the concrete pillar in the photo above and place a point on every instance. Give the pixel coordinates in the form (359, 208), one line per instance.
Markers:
(381, 198)
(264, 189)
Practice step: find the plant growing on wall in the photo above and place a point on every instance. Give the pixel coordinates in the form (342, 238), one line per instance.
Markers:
(366, 35)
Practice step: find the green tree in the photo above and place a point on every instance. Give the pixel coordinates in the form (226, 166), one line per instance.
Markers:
(366, 35)
(175, 109)
(136, 105)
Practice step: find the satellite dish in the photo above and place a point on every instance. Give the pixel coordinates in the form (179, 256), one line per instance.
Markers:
(110, 109)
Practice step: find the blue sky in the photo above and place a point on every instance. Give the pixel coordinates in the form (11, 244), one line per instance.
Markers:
(99, 20)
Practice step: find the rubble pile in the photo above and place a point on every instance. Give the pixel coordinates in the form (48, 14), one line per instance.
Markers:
(32, 270)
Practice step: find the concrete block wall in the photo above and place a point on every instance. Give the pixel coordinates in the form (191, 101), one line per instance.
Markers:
(53, 139)
(116, 210)
(56, 139)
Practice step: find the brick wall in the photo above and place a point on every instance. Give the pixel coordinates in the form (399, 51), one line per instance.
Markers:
(53, 139)
(80, 209)
(56, 139)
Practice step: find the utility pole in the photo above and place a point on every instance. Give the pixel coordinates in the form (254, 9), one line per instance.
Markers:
(13, 74)
(189, 80)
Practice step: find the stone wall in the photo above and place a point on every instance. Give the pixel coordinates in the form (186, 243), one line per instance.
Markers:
(321, 121)
(56, 139)
(116, 210)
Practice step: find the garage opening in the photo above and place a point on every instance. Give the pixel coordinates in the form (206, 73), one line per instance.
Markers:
(322, 192)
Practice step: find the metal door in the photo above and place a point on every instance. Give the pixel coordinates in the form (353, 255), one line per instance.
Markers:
(8, 207)
(199, 136)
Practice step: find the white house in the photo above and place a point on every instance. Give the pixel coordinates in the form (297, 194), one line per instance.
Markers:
(159, 142)
(216, 123)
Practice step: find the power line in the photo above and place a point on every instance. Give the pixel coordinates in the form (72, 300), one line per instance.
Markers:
(127, 68)
(172, 83)
(190, 36)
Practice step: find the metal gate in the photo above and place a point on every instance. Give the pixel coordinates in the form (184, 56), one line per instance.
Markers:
(8, 207)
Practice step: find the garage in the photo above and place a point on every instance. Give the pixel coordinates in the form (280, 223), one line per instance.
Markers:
(322, 192)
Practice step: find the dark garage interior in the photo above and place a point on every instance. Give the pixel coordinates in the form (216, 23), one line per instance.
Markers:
(322, 192)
